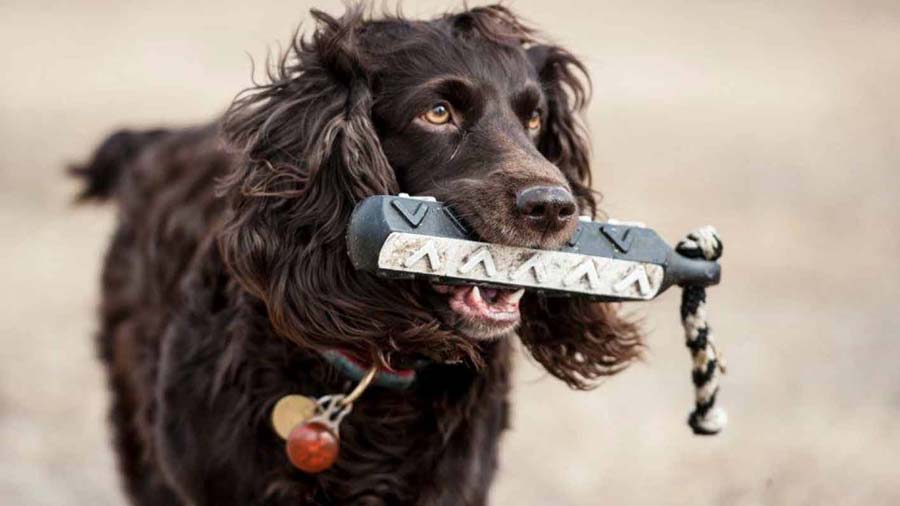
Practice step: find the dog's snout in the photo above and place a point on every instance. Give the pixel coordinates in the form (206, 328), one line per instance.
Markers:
(547, 207)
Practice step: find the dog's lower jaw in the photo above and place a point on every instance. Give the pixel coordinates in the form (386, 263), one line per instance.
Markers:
(479, 331)
(476, 329)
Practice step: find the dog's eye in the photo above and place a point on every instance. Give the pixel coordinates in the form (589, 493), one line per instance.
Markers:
(534, 121)
(439, 114)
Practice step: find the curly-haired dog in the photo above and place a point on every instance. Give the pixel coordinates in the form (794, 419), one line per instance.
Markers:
(227, 281)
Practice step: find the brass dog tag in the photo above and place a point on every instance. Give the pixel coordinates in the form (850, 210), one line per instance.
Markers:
(290, 411)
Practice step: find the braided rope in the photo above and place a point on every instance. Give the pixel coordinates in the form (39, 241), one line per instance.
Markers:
(707, 418)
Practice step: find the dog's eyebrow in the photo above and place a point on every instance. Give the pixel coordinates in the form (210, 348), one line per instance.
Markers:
(526, 99)
(461, 92)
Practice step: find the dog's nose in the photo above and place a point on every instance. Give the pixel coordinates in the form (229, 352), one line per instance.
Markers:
(547, 207)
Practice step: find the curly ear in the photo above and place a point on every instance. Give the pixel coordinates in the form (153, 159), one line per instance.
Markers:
(563, 139)
(578, 341)
(307, 132)
(309, 148)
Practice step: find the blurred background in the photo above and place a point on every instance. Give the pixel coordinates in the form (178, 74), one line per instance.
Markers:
(779, 122)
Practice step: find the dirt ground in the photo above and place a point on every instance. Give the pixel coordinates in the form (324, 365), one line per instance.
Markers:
(779, 122)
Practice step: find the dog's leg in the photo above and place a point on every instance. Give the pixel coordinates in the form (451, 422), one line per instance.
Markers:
(143, 482)
(116, 343)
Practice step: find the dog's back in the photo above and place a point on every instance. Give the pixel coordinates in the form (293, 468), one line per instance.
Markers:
(163, 183)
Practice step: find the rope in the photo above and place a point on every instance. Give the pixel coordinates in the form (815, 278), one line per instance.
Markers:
(707, 418)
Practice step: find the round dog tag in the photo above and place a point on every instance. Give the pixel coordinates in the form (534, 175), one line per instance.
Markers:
(312, 447)
(291, 411)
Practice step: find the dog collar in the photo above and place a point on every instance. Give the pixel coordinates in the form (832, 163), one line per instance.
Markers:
(355, 369)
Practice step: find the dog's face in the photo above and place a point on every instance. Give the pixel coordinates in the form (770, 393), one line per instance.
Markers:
(463, 125)
(469, 108)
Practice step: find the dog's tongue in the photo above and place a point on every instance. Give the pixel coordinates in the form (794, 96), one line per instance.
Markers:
(485, 303)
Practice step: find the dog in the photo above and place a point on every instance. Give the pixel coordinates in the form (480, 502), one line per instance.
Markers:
(227, 284)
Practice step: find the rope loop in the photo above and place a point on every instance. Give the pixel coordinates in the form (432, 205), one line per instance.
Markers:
(708, 365)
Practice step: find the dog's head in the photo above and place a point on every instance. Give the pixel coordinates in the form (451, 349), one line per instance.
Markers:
(470, 108)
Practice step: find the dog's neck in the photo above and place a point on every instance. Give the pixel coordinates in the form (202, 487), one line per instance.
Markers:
(415, 375)
(355, 369)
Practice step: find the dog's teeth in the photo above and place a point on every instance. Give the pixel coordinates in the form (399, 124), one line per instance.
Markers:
(475, 296)
(515, 297)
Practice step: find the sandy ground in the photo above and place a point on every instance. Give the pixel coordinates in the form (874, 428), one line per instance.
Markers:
(776, 121)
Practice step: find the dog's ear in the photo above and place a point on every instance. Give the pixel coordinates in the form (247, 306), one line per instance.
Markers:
(575, 340)
(306, 134)
(563, 140)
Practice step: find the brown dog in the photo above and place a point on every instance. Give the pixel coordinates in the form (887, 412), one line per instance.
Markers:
(228, 278)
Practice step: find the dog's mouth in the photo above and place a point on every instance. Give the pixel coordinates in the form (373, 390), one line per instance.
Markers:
(481, 312)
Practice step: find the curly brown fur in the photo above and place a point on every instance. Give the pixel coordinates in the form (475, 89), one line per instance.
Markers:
(228, 273)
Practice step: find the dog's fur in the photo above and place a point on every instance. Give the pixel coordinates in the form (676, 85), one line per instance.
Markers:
(228, 272)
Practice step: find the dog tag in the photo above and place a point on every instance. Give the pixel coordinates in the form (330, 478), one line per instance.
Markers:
(313, 445)
(291, 411)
